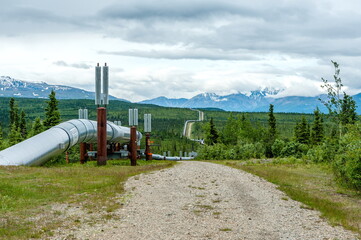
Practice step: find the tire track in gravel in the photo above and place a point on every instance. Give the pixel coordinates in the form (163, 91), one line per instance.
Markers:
(198, 200)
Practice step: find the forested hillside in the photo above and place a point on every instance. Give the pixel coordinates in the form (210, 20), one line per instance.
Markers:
(167, 123)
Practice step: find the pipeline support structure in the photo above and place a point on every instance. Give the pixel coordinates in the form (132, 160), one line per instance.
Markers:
(102, 136)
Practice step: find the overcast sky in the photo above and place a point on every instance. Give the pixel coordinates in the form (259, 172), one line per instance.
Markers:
(185, 47)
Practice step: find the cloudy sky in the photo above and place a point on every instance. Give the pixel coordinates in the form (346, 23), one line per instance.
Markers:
(185, 47)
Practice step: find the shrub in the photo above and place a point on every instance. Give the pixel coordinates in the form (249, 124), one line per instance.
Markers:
(259, 150)
(323, 153)
(347, 163)
(239, 151)
(277, 147)
(249, 150)
(212, 152)
(294, 149)
(316, 154)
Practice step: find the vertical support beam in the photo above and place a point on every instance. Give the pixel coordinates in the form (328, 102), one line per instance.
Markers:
(91, 148)
(133, 146)
(117, 147)
(102, 136)
(83, 152)
(148, 154)
(67, 157)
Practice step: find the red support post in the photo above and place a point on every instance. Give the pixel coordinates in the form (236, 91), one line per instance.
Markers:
(133, 146)
(67, 157)
(102, 136)
(117, 147)
(148, 154)
(83, 152)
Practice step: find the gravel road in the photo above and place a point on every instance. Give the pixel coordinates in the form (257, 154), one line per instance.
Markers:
(197, 200)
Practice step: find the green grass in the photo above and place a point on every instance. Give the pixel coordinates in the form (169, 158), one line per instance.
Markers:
(30, 191)
(225, 229)
(315, 187)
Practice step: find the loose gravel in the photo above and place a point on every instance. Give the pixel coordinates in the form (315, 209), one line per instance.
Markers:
(198, 200)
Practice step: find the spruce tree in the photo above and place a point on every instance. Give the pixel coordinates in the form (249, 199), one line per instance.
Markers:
(15, 135)
(271, 123)
(296, 131)
(230, 131)
(270, 139)
(248, 133)
(302, 131)
(348, 113)
(211, 133)
(52, 114)
(13, 113)
(317, 128)
(22, 125)
(243, 118)
(36, 128)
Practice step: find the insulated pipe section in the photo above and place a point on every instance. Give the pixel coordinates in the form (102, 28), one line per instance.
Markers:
(36, 150)
(56, 140)
(160, 157)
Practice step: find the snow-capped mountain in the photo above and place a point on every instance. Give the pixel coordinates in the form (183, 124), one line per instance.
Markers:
(254, 101)
(10, 87)
(167, 102)
(233, 102)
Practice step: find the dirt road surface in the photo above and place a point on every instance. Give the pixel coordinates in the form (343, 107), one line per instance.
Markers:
(198, 200)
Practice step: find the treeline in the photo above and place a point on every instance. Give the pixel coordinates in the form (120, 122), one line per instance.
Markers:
(241, 140)
(338, 143)
(19, 126)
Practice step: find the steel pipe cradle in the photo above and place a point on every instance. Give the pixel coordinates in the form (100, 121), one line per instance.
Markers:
(37, 150)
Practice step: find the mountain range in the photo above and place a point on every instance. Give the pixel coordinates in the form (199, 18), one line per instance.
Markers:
(10, 87)
(254, 101)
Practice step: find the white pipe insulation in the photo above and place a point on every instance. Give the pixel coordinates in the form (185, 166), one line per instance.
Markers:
(37, 150)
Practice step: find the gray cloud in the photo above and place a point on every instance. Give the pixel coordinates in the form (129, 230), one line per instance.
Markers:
(30, 14)
(73, 65)
(28, 19)
(310, 28)
(185, 54)
(311, 31)
(162, 9)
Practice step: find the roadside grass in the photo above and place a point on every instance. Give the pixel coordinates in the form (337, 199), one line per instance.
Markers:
(314, 186)
(28, 193)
